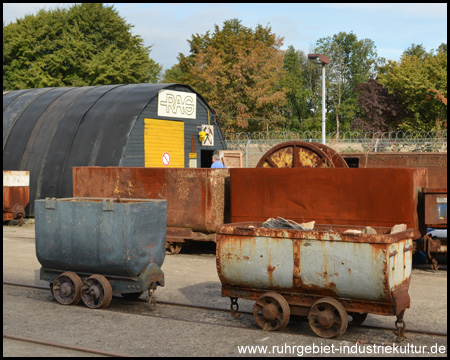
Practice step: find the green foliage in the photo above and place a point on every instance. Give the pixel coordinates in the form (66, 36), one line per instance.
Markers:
(88, 44)
(298, 90)
(416, 50)
(239, 71)
(250, 83)
(420, 80)
(352, 61)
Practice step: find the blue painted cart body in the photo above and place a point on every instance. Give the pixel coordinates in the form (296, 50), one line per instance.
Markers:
(121, 239)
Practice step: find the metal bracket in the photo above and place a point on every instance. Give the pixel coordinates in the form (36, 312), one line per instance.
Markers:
(108, 204)
(50, 203)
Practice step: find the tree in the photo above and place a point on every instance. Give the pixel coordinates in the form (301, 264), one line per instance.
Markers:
(352, 61)
(421, 82)
(298, 90)
(381, 111)
(416, 50)
(88, 44)
(238, 70)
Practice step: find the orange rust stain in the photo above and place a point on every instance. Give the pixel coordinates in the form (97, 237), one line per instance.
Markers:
(270, 270)
(246, 258)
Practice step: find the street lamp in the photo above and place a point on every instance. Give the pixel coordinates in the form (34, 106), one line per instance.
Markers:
(321, 59)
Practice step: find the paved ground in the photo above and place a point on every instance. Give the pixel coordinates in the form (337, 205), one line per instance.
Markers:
(191, 278)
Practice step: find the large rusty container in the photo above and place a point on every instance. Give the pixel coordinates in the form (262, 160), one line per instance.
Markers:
(16, 194)
(123, 241)
(340, 196)
(197, 199)
(323, 273)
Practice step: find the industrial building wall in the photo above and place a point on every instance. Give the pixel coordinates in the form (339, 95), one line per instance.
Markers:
(134, 153)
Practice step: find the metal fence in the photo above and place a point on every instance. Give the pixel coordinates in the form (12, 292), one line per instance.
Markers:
(254, 145)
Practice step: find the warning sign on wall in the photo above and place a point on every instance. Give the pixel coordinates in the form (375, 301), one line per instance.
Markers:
(166, 159)
(209, 139)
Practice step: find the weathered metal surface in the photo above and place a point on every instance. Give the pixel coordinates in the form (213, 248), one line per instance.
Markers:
(437, 177)
(344, 196)
(16, 194)
(232, 158)
(294, 154)
(335, 157)
(435, 207)
(123, 240)
(197, 199)
(324, 262)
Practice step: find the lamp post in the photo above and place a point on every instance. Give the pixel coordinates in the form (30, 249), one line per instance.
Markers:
(323, 60)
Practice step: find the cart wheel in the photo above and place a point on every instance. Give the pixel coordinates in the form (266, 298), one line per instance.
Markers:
(328, 318)
(96, 292)
(67, 288)
(173, 248)
(357, 318)
(271, 311)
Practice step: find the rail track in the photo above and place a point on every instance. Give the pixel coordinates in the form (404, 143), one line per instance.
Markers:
(217, 309)
(64, 346)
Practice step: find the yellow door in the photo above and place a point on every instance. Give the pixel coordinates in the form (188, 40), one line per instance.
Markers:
(163, 143)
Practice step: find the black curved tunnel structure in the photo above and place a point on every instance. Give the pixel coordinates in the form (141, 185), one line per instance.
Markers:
(47, 131)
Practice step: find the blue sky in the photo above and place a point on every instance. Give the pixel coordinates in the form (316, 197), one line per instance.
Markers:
(168, 26)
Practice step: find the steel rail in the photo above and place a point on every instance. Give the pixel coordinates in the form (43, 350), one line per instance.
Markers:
(64, 346)
(420, 332)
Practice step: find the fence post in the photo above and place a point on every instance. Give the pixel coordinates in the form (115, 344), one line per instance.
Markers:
(246, 152)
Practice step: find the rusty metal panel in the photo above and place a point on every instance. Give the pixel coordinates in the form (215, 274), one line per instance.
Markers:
(196, 198)
(435, 207)
(347, 196)
(325, 261)
(256, 262)
(344, 269)
(16, 194)
(437, 177)
(399, 263)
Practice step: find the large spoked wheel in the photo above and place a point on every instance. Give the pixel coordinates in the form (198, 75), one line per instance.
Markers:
(67, 288)
(294, 154)
(328, 318)
(356, 318)
(96, 292)
(271, 311)
(335, 157)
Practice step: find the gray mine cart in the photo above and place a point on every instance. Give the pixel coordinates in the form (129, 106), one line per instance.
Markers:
(329, 274)
(90, 248)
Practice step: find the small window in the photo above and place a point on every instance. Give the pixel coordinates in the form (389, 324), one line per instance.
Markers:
(352, 162)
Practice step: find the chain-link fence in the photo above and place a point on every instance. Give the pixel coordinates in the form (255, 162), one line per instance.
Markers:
(254, 145)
